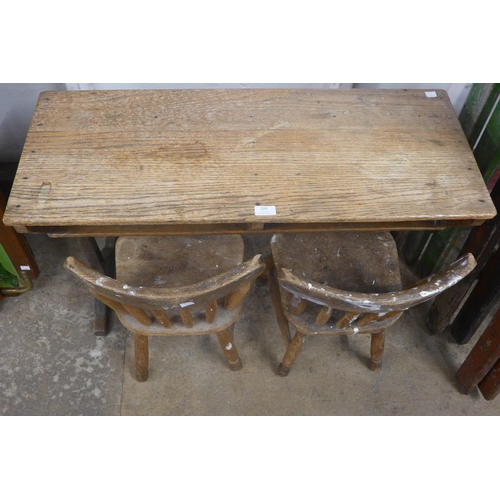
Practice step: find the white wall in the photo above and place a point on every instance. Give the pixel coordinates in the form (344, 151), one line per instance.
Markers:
(18, 100)
(119, 86)
(17, 103)
(457, 92)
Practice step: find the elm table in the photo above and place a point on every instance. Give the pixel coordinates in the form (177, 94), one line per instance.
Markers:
(151, 162)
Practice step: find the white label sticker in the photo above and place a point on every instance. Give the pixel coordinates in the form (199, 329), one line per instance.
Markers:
(269, 210)
(431, 94)
(25, 268)
(187, 304)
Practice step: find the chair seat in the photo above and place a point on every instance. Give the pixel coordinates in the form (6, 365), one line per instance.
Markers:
(358, 262)
(164, 261)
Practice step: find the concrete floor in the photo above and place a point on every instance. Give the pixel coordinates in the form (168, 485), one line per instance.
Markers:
(52, 364)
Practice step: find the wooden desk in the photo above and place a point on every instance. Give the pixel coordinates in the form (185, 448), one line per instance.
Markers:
(200, 161)
(152, 162)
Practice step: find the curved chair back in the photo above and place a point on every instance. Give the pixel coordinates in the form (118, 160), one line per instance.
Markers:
(161, 303)
(364, 308)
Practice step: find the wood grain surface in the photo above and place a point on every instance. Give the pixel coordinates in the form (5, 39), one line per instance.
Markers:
(209, 157)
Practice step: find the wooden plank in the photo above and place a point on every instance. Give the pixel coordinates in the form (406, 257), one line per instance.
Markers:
(487, 290)
(476, 109)
(16, 247)
(490, 385)
(270, 228)
(355, 156)
(480, 103)
(481, 359)
(486, 151)
(479, 303)
(481, 242)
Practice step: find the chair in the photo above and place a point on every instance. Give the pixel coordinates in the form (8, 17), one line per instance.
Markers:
(172, 286)
(344, 283)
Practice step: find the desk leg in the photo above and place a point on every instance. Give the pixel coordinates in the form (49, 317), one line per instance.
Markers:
(104, 262)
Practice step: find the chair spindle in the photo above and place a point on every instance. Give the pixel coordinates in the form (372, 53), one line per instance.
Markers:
(348, 319)
(211, 311)
(112, 304)
(374, 317)
(139, 314)
(323, 316)
(187, 317)
(162, 317)
(296, 305)
(234, 299)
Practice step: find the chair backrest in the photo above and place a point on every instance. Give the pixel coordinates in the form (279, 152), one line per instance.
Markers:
(163, 302)
(367, 307)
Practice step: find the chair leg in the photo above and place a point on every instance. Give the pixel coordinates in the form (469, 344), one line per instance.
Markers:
(377, 350)
(226, 341)
(274, 293)
(262, 278)
(141, 357)
(291, 354)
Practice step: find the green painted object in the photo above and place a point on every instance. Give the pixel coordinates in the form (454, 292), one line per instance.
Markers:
(476, 111)
(488, 93)
(8, 274)
(440, 245)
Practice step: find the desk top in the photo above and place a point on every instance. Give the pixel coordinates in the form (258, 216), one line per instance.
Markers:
(137, 161)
